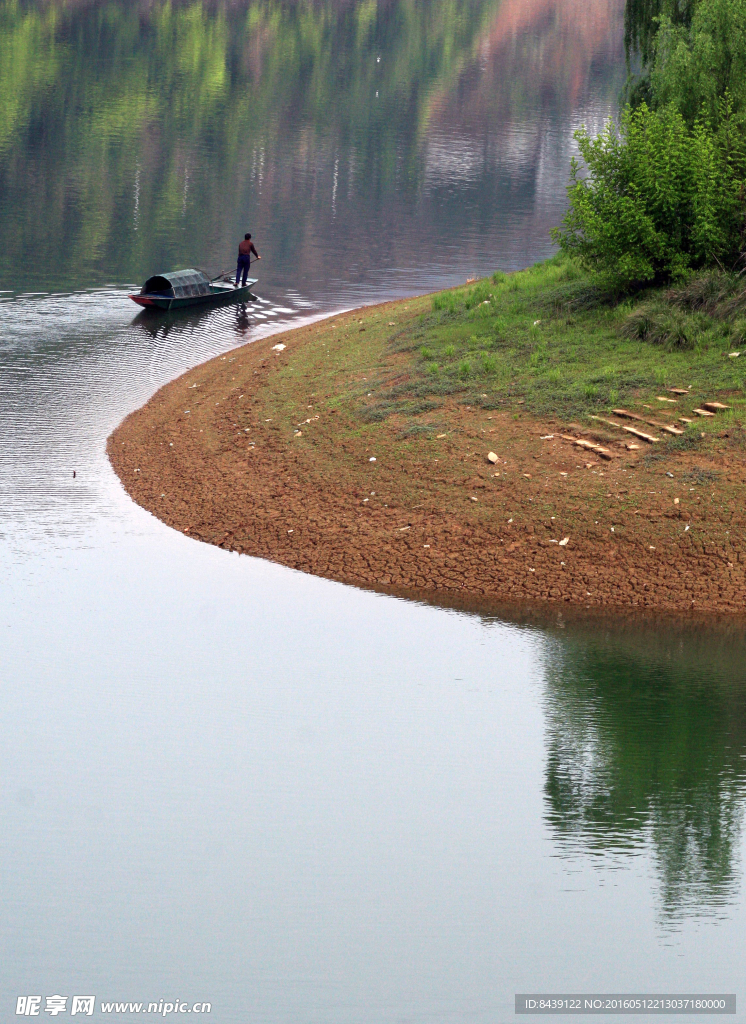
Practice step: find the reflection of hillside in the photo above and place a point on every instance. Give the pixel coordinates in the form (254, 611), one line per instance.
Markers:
(188, 103)
(647, 745)
(538, 58)
(535, 54)
(331, 127)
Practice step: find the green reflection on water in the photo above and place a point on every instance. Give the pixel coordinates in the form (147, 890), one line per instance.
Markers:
(646, 745)
(127, 131)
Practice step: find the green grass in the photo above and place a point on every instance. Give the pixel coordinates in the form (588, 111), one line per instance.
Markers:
(548, 338)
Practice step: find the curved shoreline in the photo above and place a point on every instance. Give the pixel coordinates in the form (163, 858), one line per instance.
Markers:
(218, 454)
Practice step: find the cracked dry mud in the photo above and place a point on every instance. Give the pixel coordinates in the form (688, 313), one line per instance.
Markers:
(264, 453)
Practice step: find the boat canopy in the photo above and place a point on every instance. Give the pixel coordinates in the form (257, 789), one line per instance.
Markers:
(178, 284)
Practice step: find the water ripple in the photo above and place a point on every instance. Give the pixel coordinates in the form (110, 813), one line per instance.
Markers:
(71, 367)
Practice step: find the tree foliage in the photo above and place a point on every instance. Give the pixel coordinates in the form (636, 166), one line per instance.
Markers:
(656, 196)
(664, 192)
(694, 66)
(642, 19)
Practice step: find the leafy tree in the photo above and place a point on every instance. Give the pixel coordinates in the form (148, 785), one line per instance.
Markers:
(694, 66)
(658, 197)
(642, 19)
(664, 192)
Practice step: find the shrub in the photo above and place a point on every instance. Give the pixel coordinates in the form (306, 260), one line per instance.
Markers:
(659, 197)
(664, 325)
(707, 292)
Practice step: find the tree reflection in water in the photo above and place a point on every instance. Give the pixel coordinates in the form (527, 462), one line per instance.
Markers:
(647, 749)
(139, 135)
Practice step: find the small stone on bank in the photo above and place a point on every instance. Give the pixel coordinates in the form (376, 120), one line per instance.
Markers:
(279, 348)
(491, 457)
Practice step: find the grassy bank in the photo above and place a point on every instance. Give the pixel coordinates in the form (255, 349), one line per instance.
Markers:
(429, 445)
(546, 340)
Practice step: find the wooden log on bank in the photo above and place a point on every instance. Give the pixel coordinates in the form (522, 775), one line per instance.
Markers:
(630, 430)
(590, 446)
(667, 428)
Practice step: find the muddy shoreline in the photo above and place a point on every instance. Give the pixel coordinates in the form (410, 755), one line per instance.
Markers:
(262, 452)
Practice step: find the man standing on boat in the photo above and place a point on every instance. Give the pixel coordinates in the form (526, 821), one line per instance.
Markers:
(245, 249)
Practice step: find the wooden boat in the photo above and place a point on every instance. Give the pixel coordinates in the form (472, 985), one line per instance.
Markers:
(189, 288)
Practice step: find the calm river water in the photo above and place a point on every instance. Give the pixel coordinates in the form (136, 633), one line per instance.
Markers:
(226, 782)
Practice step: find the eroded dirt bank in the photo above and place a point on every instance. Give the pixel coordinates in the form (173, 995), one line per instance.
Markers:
(266, 453)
